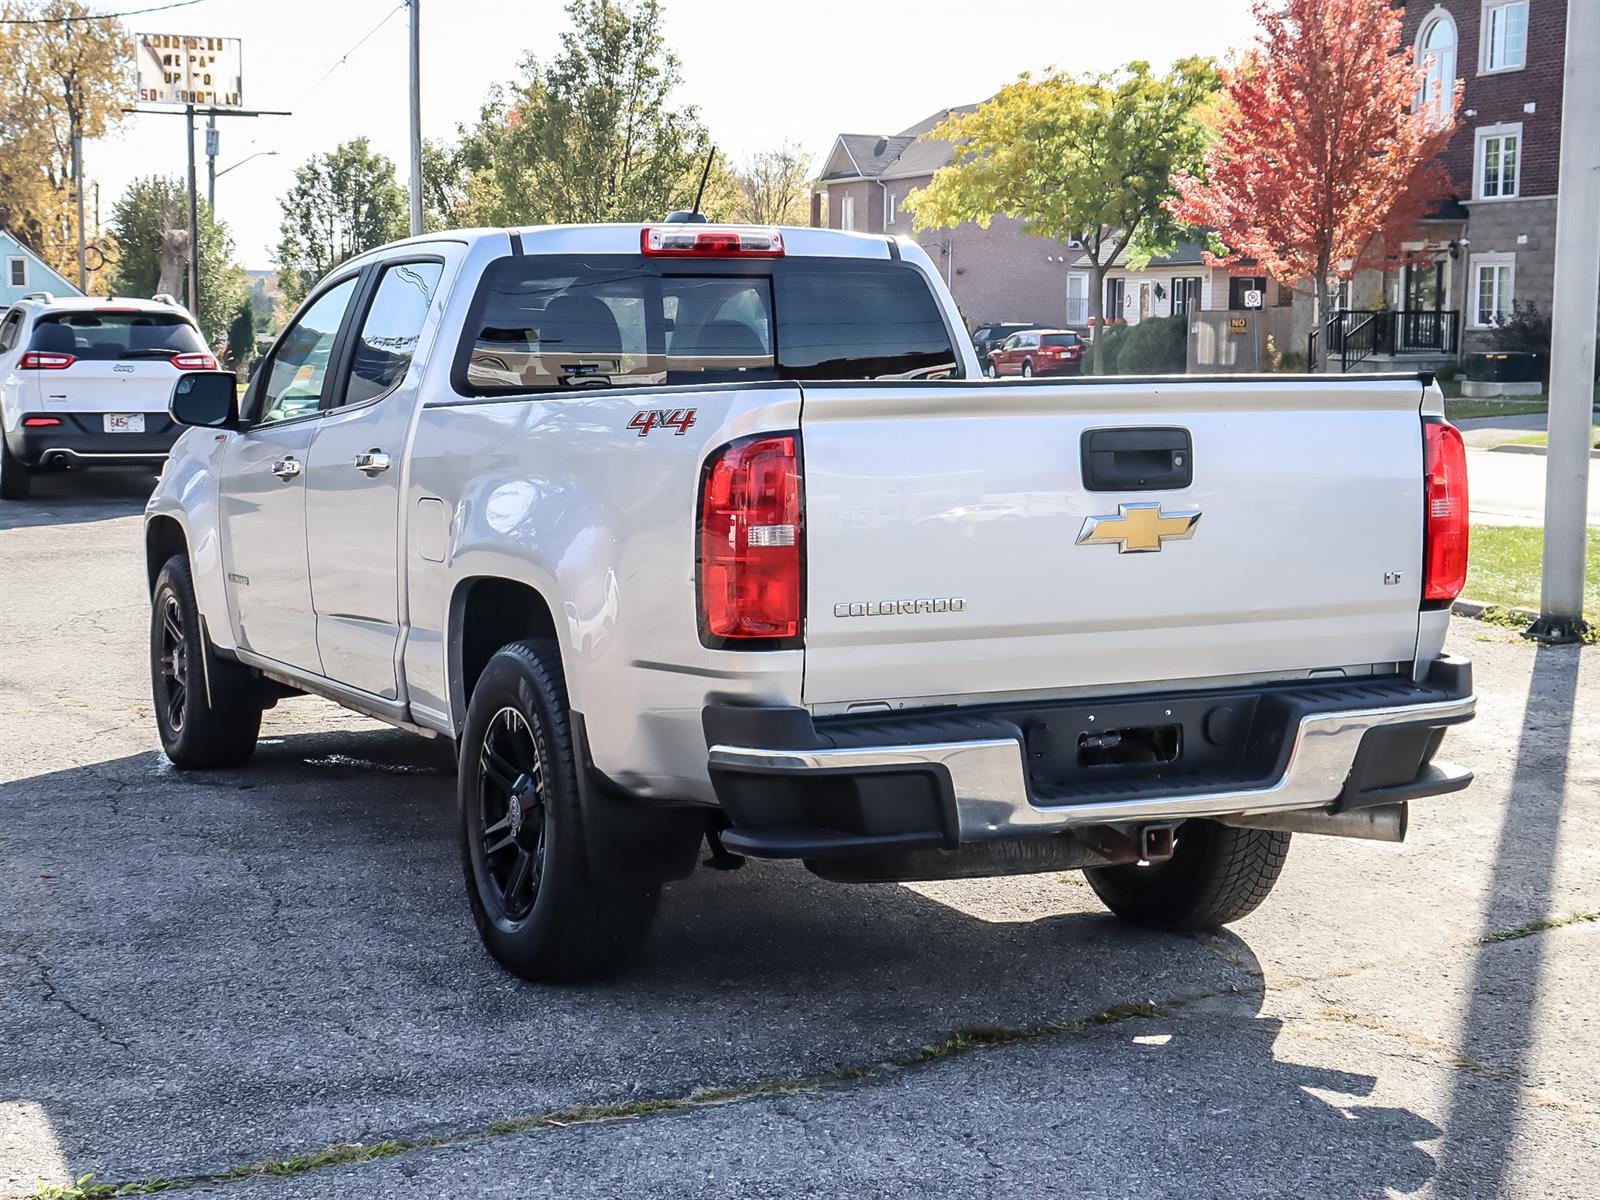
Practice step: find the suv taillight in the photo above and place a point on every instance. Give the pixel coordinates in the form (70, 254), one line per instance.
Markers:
(750, 547)
(40, 360)
(1446, 529)
(194, 362)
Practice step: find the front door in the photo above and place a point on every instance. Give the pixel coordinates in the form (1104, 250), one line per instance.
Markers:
(262, 492)
(1422, 328)
(353, 484)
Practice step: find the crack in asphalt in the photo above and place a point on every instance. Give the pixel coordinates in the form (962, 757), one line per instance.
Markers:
(52, 995)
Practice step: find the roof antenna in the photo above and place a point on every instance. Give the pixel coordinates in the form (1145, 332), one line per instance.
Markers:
(693, 215)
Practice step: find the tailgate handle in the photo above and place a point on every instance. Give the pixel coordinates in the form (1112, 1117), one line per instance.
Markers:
(1146, 459)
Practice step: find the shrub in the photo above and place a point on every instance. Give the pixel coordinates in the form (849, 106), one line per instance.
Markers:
(1157, 346)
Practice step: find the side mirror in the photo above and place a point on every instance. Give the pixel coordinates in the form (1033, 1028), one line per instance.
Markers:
(209, 399)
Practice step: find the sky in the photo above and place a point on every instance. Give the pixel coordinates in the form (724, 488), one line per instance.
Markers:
(761, 73)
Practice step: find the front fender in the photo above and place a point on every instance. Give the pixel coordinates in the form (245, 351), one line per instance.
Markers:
(187, 493)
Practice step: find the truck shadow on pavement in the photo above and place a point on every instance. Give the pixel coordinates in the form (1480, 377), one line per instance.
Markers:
(204, 970)
(79, 497)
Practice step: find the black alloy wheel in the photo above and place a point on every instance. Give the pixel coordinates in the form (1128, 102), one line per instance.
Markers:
(172, 679)
(509, 849)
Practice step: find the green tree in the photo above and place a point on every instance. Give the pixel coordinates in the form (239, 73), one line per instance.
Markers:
(342, 204)
(141, 219)
(242, 336)
(1085, 158)
(54, 74)
(591, 135)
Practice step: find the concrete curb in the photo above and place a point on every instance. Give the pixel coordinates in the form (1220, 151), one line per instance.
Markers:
(1509, 448)
(1476, 608)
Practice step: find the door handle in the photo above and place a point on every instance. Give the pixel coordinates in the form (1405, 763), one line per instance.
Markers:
(372, 462)
(286, 468)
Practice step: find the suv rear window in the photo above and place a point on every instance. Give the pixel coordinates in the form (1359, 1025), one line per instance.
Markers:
(553, 322)
(99, 336)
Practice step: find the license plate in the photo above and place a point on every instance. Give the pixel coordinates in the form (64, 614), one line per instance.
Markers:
(124, 422)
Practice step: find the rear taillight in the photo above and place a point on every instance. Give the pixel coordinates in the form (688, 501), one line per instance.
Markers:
(1446, 529)
(750, 543)
(710, 241)
(194, 362)
(40, 422)
(38, 360)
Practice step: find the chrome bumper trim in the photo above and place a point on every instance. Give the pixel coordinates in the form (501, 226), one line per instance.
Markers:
(991, 786)
(101, 456)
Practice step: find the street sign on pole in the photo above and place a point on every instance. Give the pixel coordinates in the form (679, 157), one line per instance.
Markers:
(1253, 299)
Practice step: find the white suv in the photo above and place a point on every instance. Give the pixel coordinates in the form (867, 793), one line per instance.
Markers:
(86, 380)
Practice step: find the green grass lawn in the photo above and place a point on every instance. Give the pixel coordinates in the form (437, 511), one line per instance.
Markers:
(1461, 410)
(1543, 439)
(1505, 566)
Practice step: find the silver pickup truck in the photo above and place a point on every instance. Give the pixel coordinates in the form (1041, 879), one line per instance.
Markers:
(683, 533)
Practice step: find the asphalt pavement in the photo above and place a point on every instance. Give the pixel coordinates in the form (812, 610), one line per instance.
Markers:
(201, 975)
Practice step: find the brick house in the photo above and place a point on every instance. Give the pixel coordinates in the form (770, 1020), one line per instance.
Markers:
(1002, 273)
(1493, 241)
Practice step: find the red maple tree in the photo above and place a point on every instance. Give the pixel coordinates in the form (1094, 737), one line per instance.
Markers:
(1323, 160)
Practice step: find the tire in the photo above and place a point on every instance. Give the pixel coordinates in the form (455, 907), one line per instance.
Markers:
(992, 371)
(1216, 875)
(523, 850)
(1027, 370)
(201, 727)
(16, 480)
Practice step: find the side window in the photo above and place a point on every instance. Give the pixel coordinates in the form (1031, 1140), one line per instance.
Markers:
(1010, 343)
(298, 374)
(388, 337)
(8, 331)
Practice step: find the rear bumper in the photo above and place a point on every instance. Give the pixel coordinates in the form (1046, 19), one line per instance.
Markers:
(81, 440)
(798, 789)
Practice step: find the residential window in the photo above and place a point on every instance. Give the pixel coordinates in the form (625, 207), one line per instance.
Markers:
(17, 272)
(1077, 298)
(1116, 293)
(1436, 56)
(1186, 295)
(1238, 285)
(847, 212)
(1499, 156)
(891, 207)
(1505, 36)
(1493, 286)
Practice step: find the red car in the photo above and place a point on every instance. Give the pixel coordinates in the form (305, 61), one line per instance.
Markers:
(1038, 352)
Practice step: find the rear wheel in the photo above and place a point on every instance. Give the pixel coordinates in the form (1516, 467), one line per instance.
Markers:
(208, 709)
(16, 480)
(536, 906)
(1027, 370)
(1216, 875)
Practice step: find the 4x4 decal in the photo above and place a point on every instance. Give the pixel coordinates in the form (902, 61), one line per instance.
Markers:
(678, 418)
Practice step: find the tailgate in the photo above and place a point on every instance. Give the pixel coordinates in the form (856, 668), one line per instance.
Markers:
(943, 527)
(109, 386)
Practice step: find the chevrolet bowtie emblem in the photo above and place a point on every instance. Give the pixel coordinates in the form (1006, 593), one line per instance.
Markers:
(1138, 528)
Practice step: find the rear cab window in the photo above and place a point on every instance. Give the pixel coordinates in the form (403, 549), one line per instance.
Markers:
(550, 323)
(113, 335)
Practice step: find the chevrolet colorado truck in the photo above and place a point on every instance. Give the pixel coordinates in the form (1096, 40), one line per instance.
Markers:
(688, 534)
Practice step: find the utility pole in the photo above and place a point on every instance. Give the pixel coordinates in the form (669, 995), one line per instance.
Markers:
(416, 119)
(1572, 326)
(77, 181)
(194, 220)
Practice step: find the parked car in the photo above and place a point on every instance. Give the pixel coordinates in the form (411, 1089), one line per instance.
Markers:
(658, 527)
(1038, 352)
(988, 337)
(85, 381)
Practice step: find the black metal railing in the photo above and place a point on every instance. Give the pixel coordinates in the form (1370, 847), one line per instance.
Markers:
(1356, 334)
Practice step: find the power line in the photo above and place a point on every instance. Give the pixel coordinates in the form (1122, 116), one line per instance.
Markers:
(112, 16)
